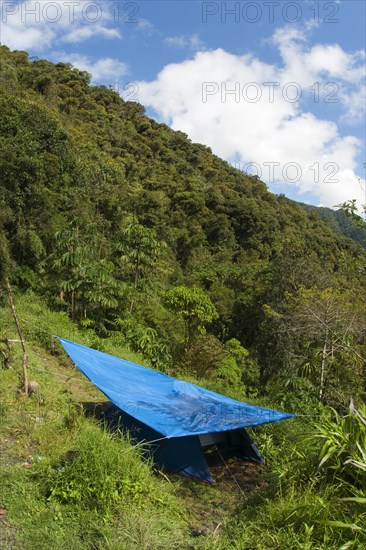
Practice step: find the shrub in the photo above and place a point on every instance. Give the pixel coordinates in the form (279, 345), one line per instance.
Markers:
(104, 474)
(344, 445)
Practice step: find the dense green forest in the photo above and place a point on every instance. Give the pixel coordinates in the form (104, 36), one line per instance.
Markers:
(340, 221)
(146, 243)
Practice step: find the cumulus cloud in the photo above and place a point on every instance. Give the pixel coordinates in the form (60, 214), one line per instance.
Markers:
(37, 25)
(249, 111)
(305, 64)
(102, 70)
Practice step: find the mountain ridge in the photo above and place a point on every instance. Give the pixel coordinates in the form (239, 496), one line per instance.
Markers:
(104, 210)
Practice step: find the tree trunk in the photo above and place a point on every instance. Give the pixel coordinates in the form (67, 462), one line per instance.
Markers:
(24, 360)
(5, 358)
(73, 305)
(132, 303)
(322, 371)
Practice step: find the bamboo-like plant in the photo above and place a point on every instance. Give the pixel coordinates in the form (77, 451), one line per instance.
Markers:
(344, 448)
(344, 453)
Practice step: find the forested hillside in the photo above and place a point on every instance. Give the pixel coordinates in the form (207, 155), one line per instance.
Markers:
(340, 222)
(104, 210)
(135, 233)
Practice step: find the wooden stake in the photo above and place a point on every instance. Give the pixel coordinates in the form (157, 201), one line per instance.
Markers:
(25, 360)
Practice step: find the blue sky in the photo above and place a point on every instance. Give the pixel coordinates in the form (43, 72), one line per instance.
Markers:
(276, 88)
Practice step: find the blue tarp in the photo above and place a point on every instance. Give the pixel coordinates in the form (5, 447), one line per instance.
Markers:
(172, 407)
(164, 406)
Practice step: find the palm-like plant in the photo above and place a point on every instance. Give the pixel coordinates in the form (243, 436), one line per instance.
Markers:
(344, 454)
(344, 445)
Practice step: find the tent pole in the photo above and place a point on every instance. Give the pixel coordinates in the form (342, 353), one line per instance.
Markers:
(230, 472)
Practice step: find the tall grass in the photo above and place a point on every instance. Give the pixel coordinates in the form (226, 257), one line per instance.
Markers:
(315, 496)
(65, 482)
(106, 473)
(343, 453)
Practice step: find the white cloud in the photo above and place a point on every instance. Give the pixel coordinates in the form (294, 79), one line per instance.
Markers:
(38, 25)
(177, 41)
(102, 70)
(355, 102)
(212, 98)
(145, 26)
(303, 63)
(192, 42)
(84, 33)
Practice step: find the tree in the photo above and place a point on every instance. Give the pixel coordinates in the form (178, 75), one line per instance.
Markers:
(88, 280)
(194, 306)
(140, 251)
(323, 331)
(351, 209)
(4, 256)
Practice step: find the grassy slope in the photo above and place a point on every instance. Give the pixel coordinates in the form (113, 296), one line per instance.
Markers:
(38, 434)
(67, 484)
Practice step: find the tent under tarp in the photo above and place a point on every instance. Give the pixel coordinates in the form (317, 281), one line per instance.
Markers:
(177, 418)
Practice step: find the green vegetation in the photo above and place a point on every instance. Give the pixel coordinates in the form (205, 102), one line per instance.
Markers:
(121, 234)
(66, 482)
(345, 220)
